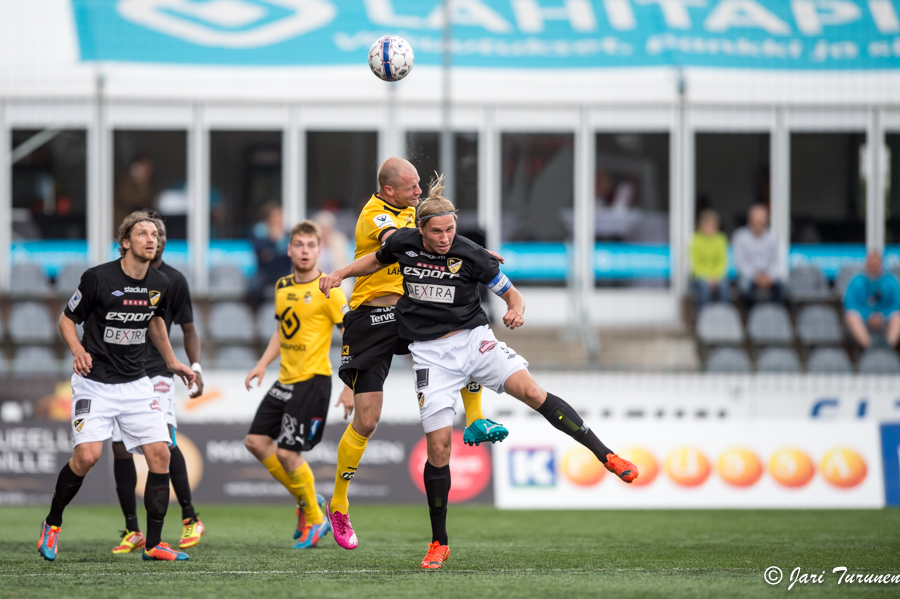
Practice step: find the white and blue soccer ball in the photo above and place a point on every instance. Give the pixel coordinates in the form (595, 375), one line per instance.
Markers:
(391, 58)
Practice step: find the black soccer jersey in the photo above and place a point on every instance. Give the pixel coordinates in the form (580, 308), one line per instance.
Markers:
(440, 293)
(116, 312)
(179, 311)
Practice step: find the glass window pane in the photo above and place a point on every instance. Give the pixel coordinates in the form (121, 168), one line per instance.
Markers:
(423, 150)
(828, 196)
(49, 186)
(537, 199)
(245, 181)
(341, 169)
(151, 173)
(892, 188)
(632, 210)
(732, 174)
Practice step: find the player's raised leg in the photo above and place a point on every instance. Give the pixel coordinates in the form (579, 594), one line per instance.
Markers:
(478, 428)
(125, 475)
(563, 417)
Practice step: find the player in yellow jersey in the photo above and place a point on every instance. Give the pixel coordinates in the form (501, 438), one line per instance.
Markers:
(371, 338)
(291, 417)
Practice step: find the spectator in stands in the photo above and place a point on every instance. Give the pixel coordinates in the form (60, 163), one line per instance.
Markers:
(872, 305)
(709, 260)
(134, 190)
(756, 258)
(270, 243)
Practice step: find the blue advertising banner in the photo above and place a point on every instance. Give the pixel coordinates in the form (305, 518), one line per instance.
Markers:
(767, 34)
(890, 447)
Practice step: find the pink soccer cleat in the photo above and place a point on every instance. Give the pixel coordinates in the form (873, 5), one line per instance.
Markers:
(343, 530)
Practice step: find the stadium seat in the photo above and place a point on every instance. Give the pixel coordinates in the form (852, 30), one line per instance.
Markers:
(4, 366)
(235, 357)
(69, 277)
(719, 324)
(31, 323)
(265, 321)
(778, 359)
(769, 324)
(728, 360)
(226, 281)
(879, 361)
(819, 325)
(35, 361)
(28, 280)
(231, 322)
(843, 278)
(829, 360)
(808, 284)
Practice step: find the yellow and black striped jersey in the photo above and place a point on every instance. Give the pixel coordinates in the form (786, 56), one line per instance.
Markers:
(305, 318)
(377, 218)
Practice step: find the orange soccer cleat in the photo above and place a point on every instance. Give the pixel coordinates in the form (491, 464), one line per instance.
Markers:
(621, 467)
(164, 553)
(435, 557)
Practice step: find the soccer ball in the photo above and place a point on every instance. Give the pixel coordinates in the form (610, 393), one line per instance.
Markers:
(391, 58)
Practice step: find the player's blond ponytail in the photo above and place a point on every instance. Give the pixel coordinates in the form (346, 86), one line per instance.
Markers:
(435, 204)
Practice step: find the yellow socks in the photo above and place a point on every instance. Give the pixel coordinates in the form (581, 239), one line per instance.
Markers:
(302, 479)
(278, 472)
(350, 452)
(472, 404)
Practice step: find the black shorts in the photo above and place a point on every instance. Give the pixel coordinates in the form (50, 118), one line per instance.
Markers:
(371, 340)
(294, 415)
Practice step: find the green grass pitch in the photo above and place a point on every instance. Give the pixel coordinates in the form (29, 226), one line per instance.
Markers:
(247, 553)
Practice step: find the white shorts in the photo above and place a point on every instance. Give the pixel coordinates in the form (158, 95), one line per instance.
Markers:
(444, 366)
(164, 386)
(135, 406)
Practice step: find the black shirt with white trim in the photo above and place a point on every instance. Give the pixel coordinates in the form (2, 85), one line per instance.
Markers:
(180, 311)
(441, 292)
(116, 312)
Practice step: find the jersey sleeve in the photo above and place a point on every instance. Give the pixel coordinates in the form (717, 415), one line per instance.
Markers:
(337, 305)
(79, 306)
(180, 302)
(375, 223)
(385, 255)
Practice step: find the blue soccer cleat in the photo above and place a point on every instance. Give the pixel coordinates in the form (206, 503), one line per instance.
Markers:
(301, 517)
(48, 543)
(164, 553)
(484, 431)
(312, 533)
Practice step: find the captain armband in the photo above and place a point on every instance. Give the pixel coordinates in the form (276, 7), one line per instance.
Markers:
(500, 284)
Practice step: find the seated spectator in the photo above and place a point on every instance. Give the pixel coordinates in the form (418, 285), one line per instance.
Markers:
(872, 305)
(756, 258)
(709, 260)
(270, 243)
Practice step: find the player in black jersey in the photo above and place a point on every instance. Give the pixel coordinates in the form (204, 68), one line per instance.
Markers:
(440, 311)
(120, 304)
(180, 311)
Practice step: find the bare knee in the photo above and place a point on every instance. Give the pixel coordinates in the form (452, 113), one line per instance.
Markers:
(365, 425)
(84, 458)
(258, 445)
(119, 451)
(534, 395)
(157, 455)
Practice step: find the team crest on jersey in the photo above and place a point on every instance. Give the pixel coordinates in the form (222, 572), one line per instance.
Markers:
(454, 264)
(408, 221)
(307, 297)
(79, 424)
(154, 297)
(421, 397)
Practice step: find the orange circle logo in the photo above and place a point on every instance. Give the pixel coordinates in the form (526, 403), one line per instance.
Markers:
(791, 467)
(192, 459)
(687, 466)
(582, 467)
(645, 462)
(843, 467)
(739, 467)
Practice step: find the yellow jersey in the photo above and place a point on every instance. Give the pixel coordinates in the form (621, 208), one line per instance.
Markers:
(305, 317)
(377, 218)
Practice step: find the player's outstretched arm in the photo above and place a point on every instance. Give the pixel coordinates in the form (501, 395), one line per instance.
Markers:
(515, 304)
(160, 338)
(82, 361)
(366, 265)
(258, 371)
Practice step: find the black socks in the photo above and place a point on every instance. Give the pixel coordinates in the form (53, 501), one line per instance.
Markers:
(126, 481)
(437, 488)
(156, 501)
(563, 417)
(178, 473)
(67, 485)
